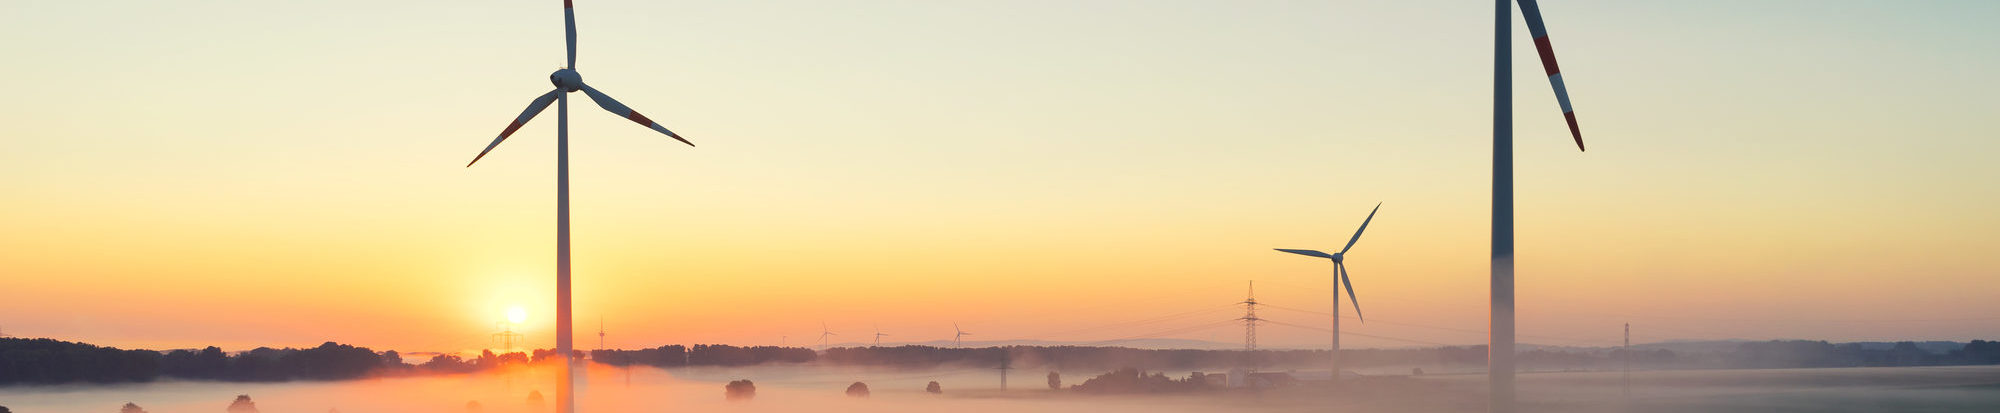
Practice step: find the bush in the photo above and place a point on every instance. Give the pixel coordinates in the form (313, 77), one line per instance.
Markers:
(739, 390)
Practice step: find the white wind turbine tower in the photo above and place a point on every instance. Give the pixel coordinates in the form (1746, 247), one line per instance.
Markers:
(823, 334)
(1340, 279)
(1500, 342)
(567, 80)
(957, 339)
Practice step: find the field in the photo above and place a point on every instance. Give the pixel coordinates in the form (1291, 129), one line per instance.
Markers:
(798, 388)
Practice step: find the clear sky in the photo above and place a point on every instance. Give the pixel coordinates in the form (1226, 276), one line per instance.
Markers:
(247, 173)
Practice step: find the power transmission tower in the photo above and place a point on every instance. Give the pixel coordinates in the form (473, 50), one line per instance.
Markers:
(507, 337)
(1626, 363)
(1250, 328)
(1250, 319)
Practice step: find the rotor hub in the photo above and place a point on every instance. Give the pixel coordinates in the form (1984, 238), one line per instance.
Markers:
(567, 79)
(1337, 257)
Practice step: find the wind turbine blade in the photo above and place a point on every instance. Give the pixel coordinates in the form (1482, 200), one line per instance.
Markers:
(1350, 291)
(534, 108)
(609, 104)
(1364, 227)
(1309, 253)
(569, 32)
(1533, 13)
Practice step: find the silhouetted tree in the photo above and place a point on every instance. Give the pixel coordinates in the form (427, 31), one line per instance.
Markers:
(1130, 380)
(1981, 352)
(131, 408)
(704, 355)
(1055, 381)
(739, 390)
(934, 388)
(243, 405)
(858, 389)
(48, 361)
(446, 363)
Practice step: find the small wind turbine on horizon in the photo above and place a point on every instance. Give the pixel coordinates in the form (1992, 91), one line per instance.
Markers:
(957, 340)
(878, 335)
(1500, 342)
(567, 80)
(823, 334)
(1340, 279)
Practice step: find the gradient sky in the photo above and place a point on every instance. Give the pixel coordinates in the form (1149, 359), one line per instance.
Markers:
(246, 173)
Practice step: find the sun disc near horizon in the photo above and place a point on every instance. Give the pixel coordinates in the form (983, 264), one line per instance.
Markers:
(516, 314)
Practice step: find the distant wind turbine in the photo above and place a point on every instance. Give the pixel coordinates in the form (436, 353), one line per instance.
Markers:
(878, 335)
(823, 334)
(1340, 279)
(567, 80)
(1500, 344)
(957, 339)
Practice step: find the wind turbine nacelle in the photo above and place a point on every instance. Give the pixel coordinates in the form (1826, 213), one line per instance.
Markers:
(567, 79)
(1338, 257)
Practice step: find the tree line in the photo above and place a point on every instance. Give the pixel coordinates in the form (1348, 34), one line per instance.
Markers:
(46, 361)
(675, 355)
(51, 361)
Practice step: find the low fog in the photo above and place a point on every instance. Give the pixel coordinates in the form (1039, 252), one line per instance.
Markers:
(809, 387)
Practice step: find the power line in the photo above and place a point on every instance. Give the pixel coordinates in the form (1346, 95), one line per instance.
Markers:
(1329, 330)
(507, 336)
(1136, 323)
(1189, 329)
(1442, 328)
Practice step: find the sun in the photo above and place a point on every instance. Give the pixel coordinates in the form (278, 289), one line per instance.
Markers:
(516, 314)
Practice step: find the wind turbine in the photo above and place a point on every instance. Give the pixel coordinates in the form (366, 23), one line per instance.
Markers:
(956, 340)
(1340, 279)
(1500, 343)
(823, 334)
(878, 335)
(567, 80)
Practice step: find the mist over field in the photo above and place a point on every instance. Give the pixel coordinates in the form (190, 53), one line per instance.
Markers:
(792, 388)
